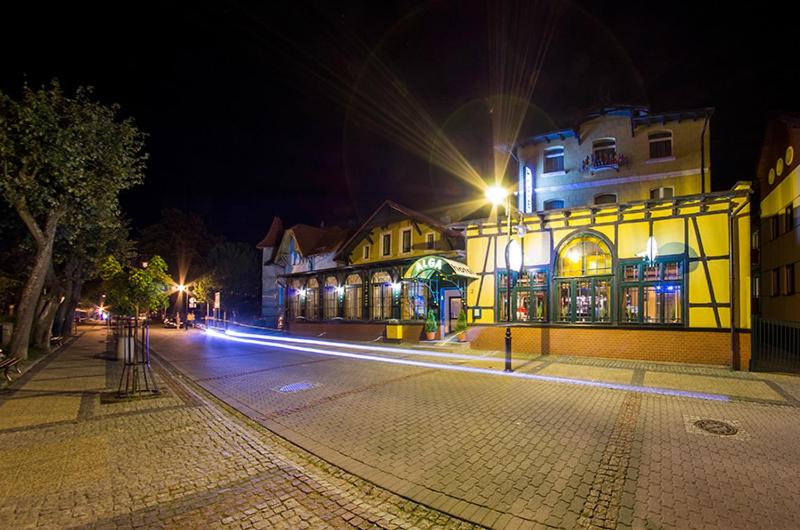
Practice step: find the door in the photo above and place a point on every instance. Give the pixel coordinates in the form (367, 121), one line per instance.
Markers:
(451, 301)
(455, 310)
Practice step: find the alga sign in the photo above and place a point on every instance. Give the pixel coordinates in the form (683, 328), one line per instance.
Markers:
(430, 265)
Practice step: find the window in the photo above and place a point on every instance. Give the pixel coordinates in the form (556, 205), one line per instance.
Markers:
(330, 298)
(605, 198)
(406, 241)
(295, 294)
(528, 295)
(353, 294)
(662, 193)
(430, 241)
(774, 226)
(651, 293)
(788, 218)
(387, 245)
(381, 296)
(604, 152)
(554, 204)
(755, 287)
(774, 282)
(584, 286)
(788, 279)
(312, 299)
(553, 159)
(413, 300)
(660, 144)
(367, 248)
(754, 239)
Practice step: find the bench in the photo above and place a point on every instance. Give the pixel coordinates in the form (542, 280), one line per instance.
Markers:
(7, 363)
(56, 341)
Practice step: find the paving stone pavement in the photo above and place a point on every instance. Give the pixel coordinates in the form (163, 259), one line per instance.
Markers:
(512, 453)
(72, 458)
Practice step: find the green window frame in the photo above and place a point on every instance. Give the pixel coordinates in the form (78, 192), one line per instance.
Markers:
(586, 299)
(653, 293)
(529, 295)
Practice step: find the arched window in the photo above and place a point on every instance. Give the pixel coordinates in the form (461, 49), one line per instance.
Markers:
(295, 294)
(381, 296)
(605, 198)
(660, 144)
(353, 293)
(583, 287)
(312, 299)
(330, 298)
(554, 204)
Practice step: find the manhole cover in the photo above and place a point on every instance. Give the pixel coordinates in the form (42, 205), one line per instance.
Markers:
(296, 387)
(716, 427)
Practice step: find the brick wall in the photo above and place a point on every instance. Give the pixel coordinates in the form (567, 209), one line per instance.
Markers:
(699, 347)
(338, 330)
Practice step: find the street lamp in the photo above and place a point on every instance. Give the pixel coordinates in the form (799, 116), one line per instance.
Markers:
(498, 195)
(182, 289)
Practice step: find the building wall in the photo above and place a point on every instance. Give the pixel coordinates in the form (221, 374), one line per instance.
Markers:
(631, 182)
(271, 299)
(360, 331)
(782, 247)
(697, 228)
(418, 243)
(664, 345)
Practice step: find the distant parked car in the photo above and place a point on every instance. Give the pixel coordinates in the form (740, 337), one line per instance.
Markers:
(170, 323)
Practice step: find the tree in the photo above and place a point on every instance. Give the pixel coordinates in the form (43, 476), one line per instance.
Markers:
(131, 289)
(236, 272)
(63, 159)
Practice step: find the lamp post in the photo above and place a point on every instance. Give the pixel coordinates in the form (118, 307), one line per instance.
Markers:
(497, 196)
(182, 290)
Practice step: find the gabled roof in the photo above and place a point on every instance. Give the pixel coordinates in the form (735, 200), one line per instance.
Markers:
(387, 213)
(312, 240)
(274, 234)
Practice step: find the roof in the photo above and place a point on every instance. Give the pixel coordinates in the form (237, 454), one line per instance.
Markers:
(639, 115)
(389, 212)
(313, 240)
(274, 234)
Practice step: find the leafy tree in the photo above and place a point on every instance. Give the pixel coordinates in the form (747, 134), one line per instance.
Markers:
(63, 160)
(236, 272)
(131, 290)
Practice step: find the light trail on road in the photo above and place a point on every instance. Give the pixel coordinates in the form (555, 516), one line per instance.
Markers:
(469, 369)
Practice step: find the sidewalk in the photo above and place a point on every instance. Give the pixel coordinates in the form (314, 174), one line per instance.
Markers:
(71, 455)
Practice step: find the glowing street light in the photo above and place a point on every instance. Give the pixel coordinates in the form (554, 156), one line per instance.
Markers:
(497, 195)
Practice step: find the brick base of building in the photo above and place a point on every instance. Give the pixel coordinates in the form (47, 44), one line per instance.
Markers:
(681, 346)
(345, 330)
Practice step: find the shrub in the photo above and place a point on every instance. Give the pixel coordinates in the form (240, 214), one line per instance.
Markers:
(430, 322)
(461, 324)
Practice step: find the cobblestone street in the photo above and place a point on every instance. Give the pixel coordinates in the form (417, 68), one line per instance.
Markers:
(72, 457)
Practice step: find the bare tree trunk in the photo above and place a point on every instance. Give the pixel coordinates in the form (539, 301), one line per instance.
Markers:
(35, 282)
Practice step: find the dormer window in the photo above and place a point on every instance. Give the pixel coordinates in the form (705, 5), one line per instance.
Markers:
(553, 159)
(660, 144)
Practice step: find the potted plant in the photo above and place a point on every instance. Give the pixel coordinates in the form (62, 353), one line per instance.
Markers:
(461, 326)
(430, 325)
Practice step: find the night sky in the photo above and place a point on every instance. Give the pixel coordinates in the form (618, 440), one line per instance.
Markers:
(246, 104)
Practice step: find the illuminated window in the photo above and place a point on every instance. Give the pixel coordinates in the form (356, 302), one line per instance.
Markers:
(312, 299)
(330, 298)
(353, 294)
(381, 296)
(413, 300)
(554, 204)
(651, 293)
(553, 159)
(293, 298)
(587, 297)
(528, 295)
(660, 144)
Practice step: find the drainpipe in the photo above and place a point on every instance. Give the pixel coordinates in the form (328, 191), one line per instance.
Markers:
(703, 154)
(732, 274)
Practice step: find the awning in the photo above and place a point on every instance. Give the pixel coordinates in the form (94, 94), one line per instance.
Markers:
(426, 267)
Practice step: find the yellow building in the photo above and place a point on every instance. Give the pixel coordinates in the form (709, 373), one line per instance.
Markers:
(395, 268)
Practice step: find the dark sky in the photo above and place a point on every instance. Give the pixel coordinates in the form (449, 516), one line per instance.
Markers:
(249, 111)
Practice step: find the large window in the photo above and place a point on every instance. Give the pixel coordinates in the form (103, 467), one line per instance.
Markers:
(652, 293)
(413, 300)
(528, 295)
(312, 299)
(386, 247)
(330, 298)
(353, 294)
(295, 294)
(406, 241)
(584, 282)
(381, 296)
(604, 152)
(660, 144)
(553, 159)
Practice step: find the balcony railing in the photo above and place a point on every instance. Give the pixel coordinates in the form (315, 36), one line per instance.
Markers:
(603, 161)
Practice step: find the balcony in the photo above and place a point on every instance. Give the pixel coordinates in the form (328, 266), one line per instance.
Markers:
(604, 161)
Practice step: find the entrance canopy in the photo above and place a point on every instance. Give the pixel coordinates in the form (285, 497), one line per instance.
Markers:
(425, 268)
